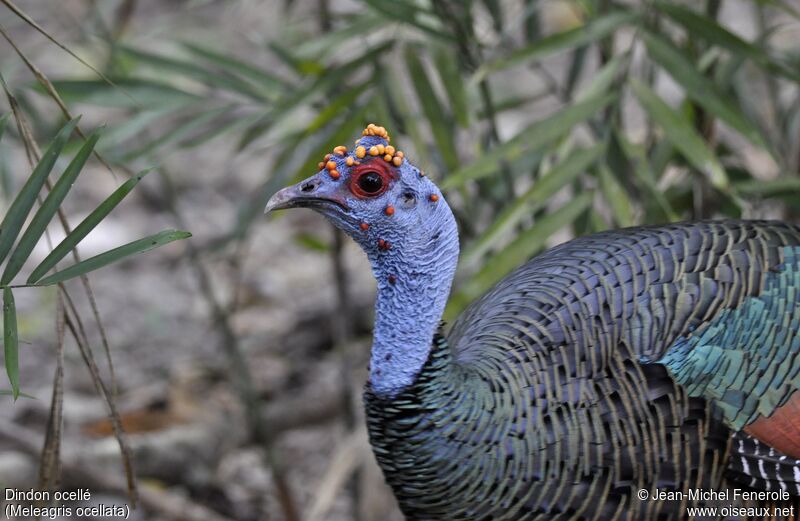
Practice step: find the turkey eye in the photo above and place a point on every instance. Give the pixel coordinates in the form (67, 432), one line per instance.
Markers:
(372, 179)
(371, 182)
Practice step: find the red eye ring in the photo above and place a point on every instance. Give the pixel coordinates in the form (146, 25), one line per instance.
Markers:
(371, 179)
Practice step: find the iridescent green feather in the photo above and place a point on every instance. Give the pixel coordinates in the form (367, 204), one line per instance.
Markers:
(738, 360)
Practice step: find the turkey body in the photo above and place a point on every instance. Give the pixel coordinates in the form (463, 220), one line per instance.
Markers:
(656, 358)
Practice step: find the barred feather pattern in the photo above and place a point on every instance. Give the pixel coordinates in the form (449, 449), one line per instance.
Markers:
(554, 397)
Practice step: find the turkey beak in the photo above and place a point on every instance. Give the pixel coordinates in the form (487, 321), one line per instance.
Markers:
(311, 193)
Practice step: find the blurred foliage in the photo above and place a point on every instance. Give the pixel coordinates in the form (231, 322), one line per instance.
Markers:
(660, 109)
(17, 245)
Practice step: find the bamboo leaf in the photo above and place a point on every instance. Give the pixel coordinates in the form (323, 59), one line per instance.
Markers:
(699, 88)
(707, 29)
(114, 255)
(682, 135)
(327, 43)
(148, 93)
(3, 123)
(6, 392)
(769, 187)
(591, 32)
(11, 341)
(534, 136)
(391, 86)
(636, 157)
(270, 83)
(453, 82)
(176, 135)
(432, 108)
(603, 78)
(336, 106)
(329, 79)
(407, 12)
(47, 210)
(121, 135)
(616, 198)
(302, 66)
(87, 225)
(23, 202)
(200, 74)
(543, 188)
(520, 250)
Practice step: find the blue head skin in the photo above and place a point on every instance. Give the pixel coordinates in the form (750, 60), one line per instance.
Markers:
(402, 222)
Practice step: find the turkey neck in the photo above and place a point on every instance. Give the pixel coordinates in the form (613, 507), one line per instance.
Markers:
(414, 279)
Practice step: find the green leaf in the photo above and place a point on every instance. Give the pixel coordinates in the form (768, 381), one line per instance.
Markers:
(559, 176)
(636, 157)
(11, 341)
(23, 202)
(114, 255)
(302, 96)
(200, 74)
(534, 136)
(175, 135)
(120, 136)
(337, 105)
(391, 84)
(3, 122)
(432, 108)
(87, 225)
(302, 66)
(616, 197)
(513, 102)
(6, 392)
(324, 44)
(408, 12)
(682, 135)
(519, 251)
(603, 78)
(699, 88)
(769, 187)
(145, 93)
(452, 79)
(577, 64)
(47, 210)
(591, 32)
(270, 83)
(707, 29)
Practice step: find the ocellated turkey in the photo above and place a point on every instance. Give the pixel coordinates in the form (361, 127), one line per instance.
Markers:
(659, 358)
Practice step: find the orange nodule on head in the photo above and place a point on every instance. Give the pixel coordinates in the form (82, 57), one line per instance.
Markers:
(781, 429)
(389, 153)
(374, 130)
